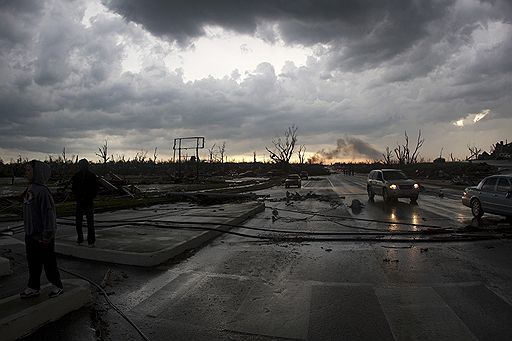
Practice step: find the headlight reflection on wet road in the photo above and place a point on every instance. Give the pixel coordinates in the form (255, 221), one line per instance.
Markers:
(393, 218)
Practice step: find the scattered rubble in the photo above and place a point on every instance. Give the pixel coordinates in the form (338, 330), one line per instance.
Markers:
(112, 183)
(356, 206)
(302, 197)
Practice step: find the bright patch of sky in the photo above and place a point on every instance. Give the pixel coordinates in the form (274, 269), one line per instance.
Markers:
(220, 53)
(472, 118)
(93, 9)
(217, 54)
(491, 35)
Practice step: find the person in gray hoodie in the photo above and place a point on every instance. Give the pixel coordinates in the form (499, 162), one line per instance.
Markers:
(40, 226)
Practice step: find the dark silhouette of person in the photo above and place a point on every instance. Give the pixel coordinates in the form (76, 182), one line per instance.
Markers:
(40, 224)
(84, 185)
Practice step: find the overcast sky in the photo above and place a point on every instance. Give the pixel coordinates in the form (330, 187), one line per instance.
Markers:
(352, 75)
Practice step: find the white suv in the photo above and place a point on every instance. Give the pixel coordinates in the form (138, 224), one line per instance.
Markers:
(391, 184)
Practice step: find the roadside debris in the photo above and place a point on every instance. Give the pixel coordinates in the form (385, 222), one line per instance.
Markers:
(275, 214)
(356, 206)
(112, 183)
(107, 279)
(289, 197)
(462, 180)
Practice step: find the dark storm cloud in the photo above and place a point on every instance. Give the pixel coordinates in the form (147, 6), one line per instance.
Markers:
(383, 67)
(359, 31)
(12, 29)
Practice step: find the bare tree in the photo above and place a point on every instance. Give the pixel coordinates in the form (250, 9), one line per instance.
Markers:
(400, 154)
(403, 152)
(283, 146)
(120, 158)
(155, 155)
(302, 154)
(64, 159)
(474, 152)
(103, 152)
(413, 158)
(388, 156)
(212, 154)
(222, 150)
(141, 156)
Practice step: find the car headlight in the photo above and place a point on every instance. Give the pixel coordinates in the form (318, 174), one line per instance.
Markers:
(416, 186)
(393, 186)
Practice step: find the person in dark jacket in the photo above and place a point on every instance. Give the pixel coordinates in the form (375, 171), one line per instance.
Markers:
(40, 224)
(84, 185)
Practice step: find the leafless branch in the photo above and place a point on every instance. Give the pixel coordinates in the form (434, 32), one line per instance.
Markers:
(302, 154)
(474, 152)
(103, 152)
(282, 150)
(388, 156)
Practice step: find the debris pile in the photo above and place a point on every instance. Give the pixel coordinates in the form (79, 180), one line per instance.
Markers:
(112, 183)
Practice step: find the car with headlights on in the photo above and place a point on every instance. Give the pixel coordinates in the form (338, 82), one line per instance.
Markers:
(492, 195)
(391, 184)
(292, 180)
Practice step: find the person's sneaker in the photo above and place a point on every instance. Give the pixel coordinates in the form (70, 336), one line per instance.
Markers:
(29, 292)
(56, 291)
(91, 245)
(79, 242)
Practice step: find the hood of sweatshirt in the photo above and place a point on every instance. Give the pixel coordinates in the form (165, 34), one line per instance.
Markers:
(42, 172)
(83, 165)
(38, 206)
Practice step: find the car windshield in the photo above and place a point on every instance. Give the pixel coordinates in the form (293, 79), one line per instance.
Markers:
(394, 175)
(293, 176)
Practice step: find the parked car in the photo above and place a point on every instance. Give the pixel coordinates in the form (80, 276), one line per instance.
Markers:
(304, 175)
(492, 195)
(292, 180)
(391, 184)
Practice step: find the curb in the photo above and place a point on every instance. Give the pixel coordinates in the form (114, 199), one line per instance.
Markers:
(21, 317)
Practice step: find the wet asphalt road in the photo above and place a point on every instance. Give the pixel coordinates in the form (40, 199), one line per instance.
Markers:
(239, 288)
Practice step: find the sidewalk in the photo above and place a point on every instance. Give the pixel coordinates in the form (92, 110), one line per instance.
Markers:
(125, 243)
(132, 244)
(20, 317)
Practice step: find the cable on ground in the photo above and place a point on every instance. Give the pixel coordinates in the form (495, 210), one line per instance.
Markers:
(123, 315)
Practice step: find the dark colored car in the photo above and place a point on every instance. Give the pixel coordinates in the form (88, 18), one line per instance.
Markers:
(292, 180)
(492, 195)
(304, 175)
(391, 184)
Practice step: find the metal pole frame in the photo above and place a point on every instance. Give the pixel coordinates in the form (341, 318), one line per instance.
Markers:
(178, 146)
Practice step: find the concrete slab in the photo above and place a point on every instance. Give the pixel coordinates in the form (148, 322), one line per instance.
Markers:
(21, 317)
(150, 246)
(8, 241)
(5, 267)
